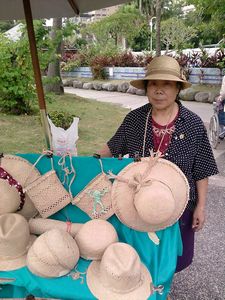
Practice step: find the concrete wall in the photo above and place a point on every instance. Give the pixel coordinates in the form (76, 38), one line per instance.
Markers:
(196, 75)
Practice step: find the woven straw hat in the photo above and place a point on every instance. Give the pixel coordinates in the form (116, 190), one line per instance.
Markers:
(53, 254)
(15, 240)
(119, 275)
(150, 195)
(94, 237)
(24, 173)
(39, 226)
(162, 68)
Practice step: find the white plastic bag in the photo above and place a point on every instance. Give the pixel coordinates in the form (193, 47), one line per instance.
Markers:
(64, 141)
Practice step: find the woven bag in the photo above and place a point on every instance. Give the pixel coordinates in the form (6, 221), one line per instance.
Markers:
(48, 194)
(95, 198)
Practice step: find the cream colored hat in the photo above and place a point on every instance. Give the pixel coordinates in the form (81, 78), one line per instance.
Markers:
(53, 254)
(162, 68)
(150, 195)
(15, 240)
(24, 173)
(94, 237)
(119, 275)
(39, 226)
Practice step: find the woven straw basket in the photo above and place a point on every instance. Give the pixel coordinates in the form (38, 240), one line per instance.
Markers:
(87, 200)
(48, 194)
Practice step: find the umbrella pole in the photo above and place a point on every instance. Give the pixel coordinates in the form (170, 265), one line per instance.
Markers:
(37, 72)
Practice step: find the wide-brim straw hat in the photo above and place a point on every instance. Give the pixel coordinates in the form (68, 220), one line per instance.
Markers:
(15, 241)
(24, 173)
(162, 68)
(94, 237)
(119, 275)
(152, 202)
(54, 254)
(39, 226)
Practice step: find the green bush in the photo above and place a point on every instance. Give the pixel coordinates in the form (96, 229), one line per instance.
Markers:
(17, 89)
(61, 119)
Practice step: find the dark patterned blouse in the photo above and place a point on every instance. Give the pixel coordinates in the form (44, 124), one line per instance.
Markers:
(189, 147)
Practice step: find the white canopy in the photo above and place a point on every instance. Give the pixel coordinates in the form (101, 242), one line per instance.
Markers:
(13, 9)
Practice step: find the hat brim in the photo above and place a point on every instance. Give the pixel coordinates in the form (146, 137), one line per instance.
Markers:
(25, 173)
(140, 83)
(19, 262)
(123, 196)
(142, 292)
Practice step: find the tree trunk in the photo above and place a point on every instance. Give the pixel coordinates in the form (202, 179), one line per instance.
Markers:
(54, 79)
(158, 20)
(140, 6)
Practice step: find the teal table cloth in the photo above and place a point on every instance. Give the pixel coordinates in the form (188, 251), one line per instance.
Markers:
(159, 259)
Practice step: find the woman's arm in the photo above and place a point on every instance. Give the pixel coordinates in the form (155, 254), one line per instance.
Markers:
(105, 151)
(199, 213)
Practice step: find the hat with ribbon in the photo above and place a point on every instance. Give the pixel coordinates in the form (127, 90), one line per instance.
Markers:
(162, 68)
(54, 254)
(150, 195)
(94, 237)
(15, 240)
(40, 225)
(119, 275)
(15, 174)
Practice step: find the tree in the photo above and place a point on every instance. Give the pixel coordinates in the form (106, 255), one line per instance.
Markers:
(175, 33)
(208, 18)
(6, 25)
(54, 80)
(126, 22)
(158, 33)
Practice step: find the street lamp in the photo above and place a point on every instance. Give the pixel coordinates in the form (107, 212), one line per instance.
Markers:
(151, 25)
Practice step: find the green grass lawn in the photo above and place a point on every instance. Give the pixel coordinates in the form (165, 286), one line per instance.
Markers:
(98, 121)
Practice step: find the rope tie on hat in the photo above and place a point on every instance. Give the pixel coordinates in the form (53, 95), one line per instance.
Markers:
(138, 180)
(13, 182)
(68, 226)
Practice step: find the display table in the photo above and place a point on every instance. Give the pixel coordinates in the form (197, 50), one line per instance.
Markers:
(159, 259)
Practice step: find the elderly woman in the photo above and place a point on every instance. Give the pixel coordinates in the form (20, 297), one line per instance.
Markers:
(165, 125)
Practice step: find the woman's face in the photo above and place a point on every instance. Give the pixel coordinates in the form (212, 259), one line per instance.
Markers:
(162, 93)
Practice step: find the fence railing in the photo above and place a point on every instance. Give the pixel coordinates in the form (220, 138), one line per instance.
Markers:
(196, 75)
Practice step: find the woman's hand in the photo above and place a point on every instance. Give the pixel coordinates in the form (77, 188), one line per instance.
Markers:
(198, 218)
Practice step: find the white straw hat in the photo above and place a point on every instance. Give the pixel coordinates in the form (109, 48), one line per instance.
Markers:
(53, 254)
(15, 240)
(39, 226)
(10, 198)
(94, 237)
(119, 275)
(150, 195)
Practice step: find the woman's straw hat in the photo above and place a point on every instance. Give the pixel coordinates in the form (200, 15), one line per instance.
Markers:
(39, 226)
(119, 275)
(94, 237)
(162, 68)
(24, 173)
(150, 195)
(15, 240)
(53, 254)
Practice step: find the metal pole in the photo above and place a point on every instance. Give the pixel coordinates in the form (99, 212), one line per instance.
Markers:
(37, 72)
(151, 25)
